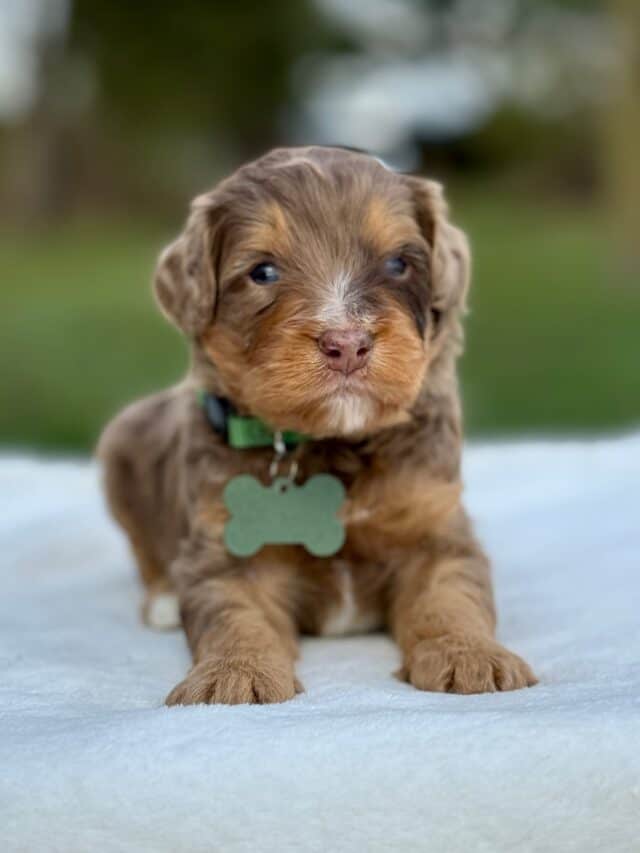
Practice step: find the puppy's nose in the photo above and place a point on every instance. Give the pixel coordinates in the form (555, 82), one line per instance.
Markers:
(345, 350)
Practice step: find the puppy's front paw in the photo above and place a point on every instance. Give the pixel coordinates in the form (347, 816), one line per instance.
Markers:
(455, 664)
(237, 681)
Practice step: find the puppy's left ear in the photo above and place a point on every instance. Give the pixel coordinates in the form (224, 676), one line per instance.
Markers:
(185, 282)
(451, 257)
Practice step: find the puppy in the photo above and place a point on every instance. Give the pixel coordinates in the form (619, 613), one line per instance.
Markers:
(321, 293)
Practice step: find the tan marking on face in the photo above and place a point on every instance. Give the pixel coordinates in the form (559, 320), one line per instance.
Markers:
(270, 233)
(224, 347)
(386, 228)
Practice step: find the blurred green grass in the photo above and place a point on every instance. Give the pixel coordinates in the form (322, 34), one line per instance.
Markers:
(552, 340)
(552, 337)
(80, 333)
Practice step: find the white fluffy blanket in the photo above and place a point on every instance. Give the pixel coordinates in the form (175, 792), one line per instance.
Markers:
(90, 760)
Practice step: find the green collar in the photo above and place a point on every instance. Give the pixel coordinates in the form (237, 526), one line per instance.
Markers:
(239, 431)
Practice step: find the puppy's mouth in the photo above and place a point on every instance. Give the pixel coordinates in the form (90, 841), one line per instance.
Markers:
(356, 382)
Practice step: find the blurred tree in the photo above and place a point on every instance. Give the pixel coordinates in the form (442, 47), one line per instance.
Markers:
(222, 66)
(137, 99)
(140, 104)
(38, 150)
(622, 132)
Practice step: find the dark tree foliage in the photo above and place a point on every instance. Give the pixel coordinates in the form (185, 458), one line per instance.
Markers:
(202, 64)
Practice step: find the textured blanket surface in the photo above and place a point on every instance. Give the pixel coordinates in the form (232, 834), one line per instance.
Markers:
(90, 760)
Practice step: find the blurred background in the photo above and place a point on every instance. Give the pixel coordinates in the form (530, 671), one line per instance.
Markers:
(114, 114)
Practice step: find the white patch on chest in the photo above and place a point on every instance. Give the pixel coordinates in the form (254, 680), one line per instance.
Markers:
(345, 617)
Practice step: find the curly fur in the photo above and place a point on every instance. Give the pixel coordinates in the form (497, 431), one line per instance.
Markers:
(392, 434)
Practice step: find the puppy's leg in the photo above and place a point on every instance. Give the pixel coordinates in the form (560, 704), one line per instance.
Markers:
(443, 619)
(135, 452)
(240, 629)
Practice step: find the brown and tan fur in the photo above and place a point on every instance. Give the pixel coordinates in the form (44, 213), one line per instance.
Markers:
(328, 219)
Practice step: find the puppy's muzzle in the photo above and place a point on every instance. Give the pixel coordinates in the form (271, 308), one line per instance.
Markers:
(346, 350)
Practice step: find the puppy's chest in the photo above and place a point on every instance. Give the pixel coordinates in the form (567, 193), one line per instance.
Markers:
(352, 604)
(352, 586)
(341, 594)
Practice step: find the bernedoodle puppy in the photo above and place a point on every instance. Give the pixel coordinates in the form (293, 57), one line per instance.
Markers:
(322, 294)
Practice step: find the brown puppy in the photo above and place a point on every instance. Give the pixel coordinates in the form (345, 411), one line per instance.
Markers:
(322, 293)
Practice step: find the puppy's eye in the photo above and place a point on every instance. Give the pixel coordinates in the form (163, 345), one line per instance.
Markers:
(396, 267)
(265, 274)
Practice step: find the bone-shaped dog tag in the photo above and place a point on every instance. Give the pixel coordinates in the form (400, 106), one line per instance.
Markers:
(284, 514)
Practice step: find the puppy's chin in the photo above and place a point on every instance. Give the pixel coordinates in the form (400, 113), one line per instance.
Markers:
(349, 414)
(341, 414)
(321, 404)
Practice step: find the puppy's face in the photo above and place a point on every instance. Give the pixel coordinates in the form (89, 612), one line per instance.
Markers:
(319, 284)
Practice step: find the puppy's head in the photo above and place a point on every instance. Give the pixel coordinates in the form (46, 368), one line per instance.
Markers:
(321, 285)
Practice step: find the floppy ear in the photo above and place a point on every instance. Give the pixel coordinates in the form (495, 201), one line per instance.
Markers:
(185, 277)
(451, 258)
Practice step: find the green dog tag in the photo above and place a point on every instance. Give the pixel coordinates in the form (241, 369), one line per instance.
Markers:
(284, 514)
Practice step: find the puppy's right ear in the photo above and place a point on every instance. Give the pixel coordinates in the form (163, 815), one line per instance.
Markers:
(185, 277)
